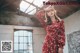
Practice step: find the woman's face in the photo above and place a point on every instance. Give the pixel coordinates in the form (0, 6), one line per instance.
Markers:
(50, 13)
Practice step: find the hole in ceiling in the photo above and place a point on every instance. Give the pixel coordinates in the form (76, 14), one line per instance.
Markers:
(30, 6)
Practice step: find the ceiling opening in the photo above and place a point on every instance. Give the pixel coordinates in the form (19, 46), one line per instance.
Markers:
(30, 6)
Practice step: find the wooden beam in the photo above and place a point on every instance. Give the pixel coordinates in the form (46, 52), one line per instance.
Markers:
(28, 6)
(32, 4)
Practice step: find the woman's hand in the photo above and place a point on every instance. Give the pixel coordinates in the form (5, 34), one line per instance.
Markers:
(60, 50)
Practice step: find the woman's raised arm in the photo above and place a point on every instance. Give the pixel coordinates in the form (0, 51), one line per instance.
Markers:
(40, 15)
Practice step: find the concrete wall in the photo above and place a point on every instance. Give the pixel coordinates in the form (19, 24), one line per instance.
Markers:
(72, 23)
(7, 33)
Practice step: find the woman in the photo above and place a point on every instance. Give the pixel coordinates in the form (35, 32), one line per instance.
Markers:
(54, 26)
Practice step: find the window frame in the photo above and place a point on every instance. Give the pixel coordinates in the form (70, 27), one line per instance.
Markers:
(24, 36)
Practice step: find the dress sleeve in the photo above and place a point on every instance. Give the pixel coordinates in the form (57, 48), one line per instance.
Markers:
(61, 35)
(39, 16)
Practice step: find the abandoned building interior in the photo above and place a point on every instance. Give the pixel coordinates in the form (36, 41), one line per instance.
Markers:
(19, 25)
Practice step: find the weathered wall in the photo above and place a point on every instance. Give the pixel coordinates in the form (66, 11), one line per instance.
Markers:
(72, 24)
(10, 18)
(7, 33)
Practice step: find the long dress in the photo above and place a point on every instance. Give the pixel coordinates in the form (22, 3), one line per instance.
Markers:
(55, 37)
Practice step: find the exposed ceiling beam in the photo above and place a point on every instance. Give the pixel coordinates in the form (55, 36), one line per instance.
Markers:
(32, 4)
(31, 10)
(28, 6)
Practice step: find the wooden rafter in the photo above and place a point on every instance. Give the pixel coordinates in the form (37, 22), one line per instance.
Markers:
(28, 6)
(32, 4)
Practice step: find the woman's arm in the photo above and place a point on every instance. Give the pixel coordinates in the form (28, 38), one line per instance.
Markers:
(60, 50)
(61, 40)
(61, 36)
(40, 15)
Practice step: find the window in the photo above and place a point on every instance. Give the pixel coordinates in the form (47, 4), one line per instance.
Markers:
(30, 6)
(23, 41)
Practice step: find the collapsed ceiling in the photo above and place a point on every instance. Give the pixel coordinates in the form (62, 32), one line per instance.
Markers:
(14, 6)
(63, 10)
(10, 5)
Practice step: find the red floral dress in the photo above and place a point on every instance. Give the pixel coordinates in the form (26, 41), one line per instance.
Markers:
(55, 37)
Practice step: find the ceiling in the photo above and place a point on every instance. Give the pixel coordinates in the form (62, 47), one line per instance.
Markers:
(10, 5)
(14, 6)
(8, 8)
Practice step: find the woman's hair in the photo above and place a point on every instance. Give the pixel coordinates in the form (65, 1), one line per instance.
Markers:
(49, 21)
